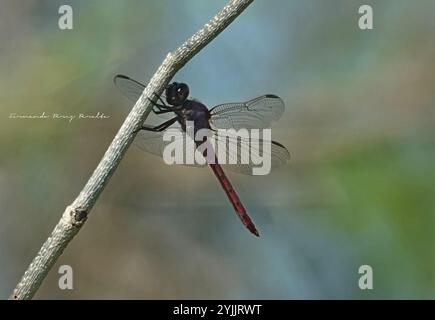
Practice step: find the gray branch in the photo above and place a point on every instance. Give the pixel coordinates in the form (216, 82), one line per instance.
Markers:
(75, 215)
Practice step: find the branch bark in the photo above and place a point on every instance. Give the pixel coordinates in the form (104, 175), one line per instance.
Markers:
(76, 214)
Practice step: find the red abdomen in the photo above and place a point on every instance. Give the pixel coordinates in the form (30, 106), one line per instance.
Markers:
(234, 198)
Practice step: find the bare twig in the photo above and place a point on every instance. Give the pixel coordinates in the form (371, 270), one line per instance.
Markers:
(75, 215)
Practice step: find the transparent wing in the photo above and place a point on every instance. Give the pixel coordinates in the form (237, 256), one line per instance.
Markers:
(153, 142)
(239, 154)
(133, 89)
(244, 154)
(257, 113)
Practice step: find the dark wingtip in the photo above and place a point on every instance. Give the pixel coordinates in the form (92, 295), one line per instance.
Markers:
(272, 96)
(279, 144)
(120, 76)
(282, 146)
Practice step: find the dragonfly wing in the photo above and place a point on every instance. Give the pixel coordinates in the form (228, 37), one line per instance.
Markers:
(153, 142)
(242, 154)
(133, 89)
(245, 154)
(257, 113)
(130, 88)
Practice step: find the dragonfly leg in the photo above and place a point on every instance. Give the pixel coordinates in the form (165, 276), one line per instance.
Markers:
(161, 126)
(160, 99)
(161, 111)
(159, 106)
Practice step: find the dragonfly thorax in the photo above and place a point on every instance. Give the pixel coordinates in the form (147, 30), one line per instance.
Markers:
(194, 111)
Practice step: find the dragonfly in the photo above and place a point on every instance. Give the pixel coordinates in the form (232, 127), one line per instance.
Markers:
(258, 113)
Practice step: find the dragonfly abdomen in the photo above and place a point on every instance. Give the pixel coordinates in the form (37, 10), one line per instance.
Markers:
(234, 198)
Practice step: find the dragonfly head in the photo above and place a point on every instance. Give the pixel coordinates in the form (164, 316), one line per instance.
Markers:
(177, 93)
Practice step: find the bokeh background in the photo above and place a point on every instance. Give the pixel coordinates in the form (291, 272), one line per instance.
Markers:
(359, 124)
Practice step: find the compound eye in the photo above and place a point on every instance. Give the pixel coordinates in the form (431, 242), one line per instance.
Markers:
(182, 91)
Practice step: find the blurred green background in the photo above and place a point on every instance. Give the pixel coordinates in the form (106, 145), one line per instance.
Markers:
(359, 124)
